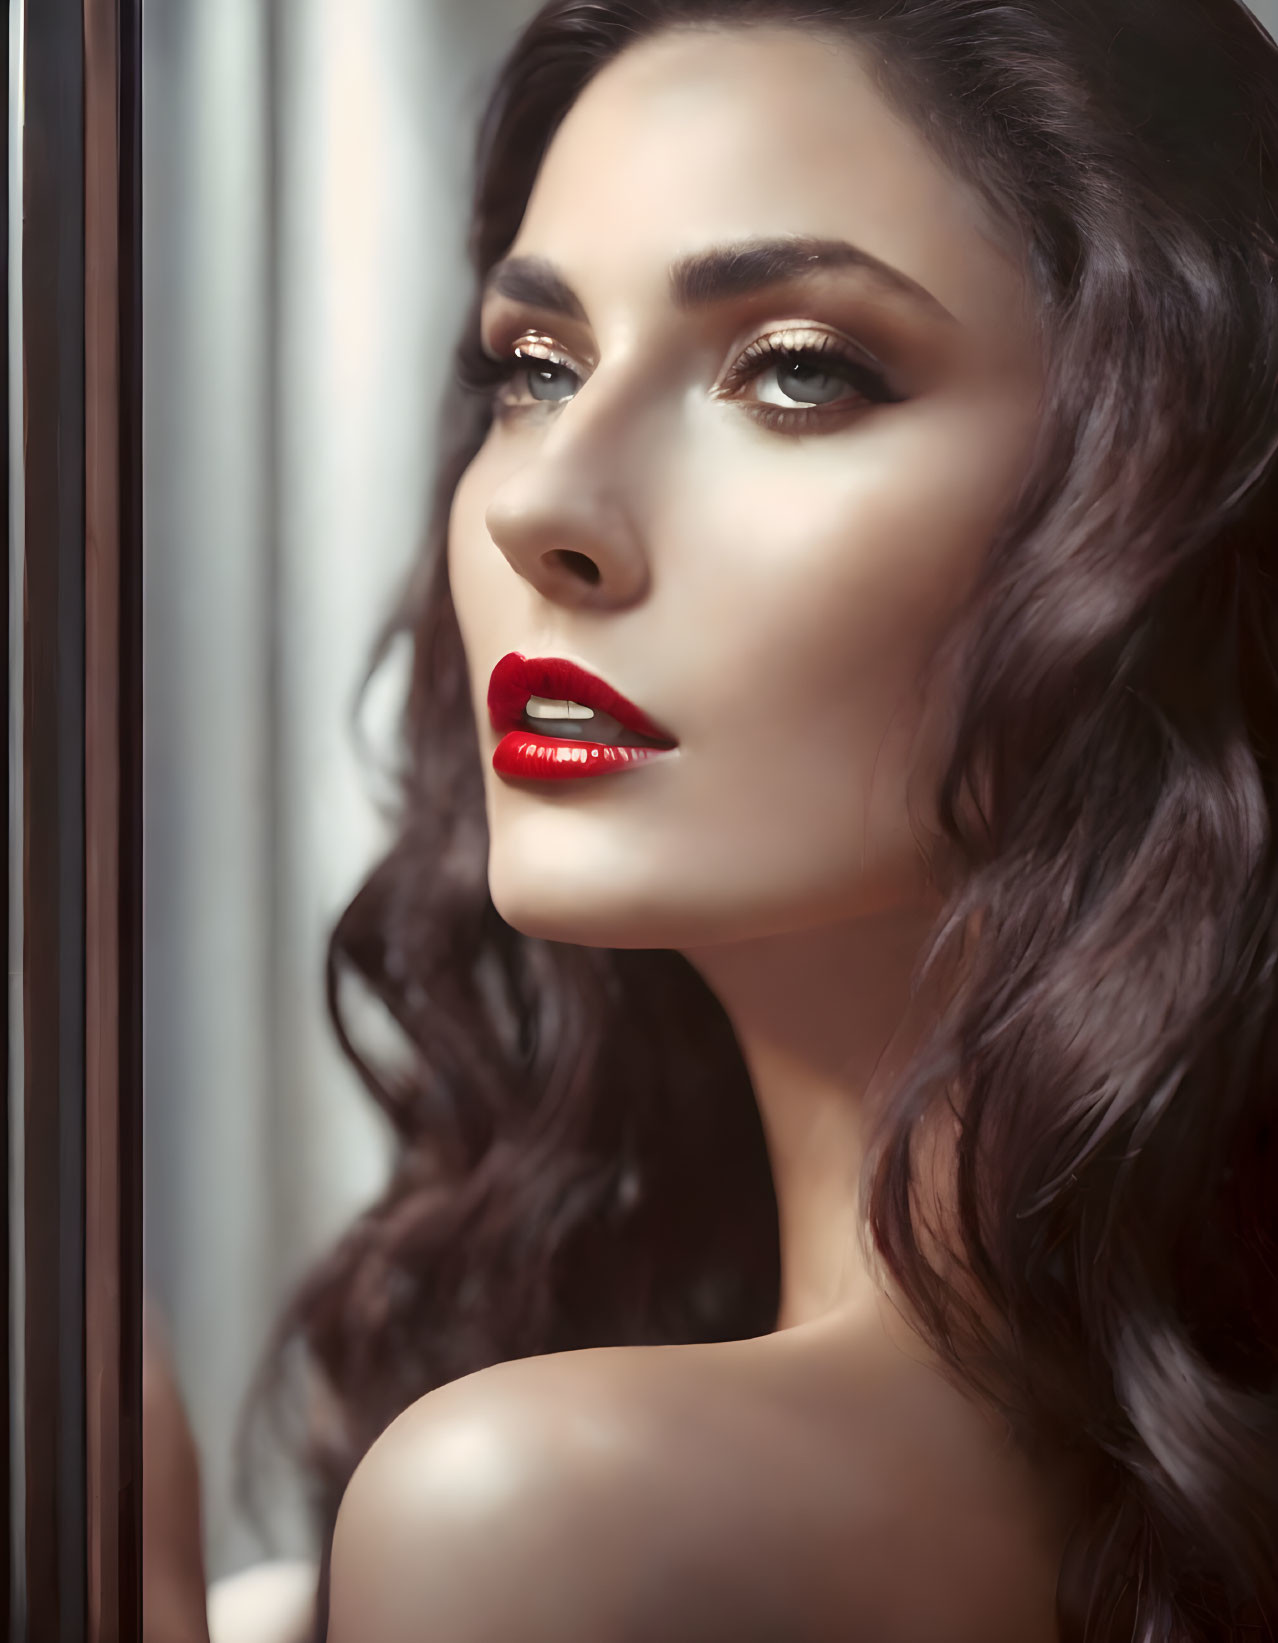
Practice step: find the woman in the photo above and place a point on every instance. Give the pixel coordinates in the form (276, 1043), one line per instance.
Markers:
(863, 475)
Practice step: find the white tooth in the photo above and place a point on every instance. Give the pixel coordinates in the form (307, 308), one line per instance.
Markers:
(541, 707)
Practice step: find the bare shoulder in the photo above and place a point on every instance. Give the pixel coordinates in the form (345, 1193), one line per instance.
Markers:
(629, 1495)
(568, 1498)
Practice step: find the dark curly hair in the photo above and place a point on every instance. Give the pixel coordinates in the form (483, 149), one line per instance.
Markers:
(579, 1156)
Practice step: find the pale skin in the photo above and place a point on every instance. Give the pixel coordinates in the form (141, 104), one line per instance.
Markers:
(769, 576)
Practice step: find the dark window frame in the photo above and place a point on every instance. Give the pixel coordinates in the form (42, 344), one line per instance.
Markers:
(74, 1548)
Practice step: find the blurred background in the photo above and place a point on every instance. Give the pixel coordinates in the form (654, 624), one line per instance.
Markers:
(305, 170)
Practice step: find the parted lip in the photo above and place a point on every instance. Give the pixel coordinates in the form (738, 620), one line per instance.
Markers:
(516, 678)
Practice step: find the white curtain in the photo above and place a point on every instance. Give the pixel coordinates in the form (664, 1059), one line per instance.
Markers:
(305, 163)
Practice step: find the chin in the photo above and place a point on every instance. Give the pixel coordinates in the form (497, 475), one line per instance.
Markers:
(565, 907)
(561, 877)
(587, 911)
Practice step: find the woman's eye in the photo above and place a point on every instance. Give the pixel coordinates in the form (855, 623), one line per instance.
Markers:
(529, 377)
(797, 380)
(789, 385)
(546, 380)
(792, 386)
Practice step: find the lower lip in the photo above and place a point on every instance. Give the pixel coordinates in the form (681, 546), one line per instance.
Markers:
(524, 754)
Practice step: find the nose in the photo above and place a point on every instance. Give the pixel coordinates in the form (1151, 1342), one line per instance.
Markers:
(566, 522)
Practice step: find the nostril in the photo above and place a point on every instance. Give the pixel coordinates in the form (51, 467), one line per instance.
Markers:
(577, 564)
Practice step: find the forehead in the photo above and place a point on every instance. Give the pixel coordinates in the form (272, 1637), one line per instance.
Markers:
(703, 136)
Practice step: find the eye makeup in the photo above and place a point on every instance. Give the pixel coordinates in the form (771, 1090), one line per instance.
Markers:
(818, 378)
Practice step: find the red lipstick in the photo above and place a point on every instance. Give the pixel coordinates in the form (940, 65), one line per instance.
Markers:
(527, 752)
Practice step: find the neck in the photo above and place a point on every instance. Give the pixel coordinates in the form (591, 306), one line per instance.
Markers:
(824, 1021)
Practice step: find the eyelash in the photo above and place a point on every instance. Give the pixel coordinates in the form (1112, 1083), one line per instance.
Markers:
(485, 373)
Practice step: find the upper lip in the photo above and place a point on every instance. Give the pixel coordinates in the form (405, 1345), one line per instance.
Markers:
(516, 678)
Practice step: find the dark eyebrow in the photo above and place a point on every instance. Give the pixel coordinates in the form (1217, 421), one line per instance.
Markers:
(713, 276)
(536, 283)
(753, 265)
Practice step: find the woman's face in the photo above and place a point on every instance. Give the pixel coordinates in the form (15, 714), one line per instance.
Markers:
(773, 384)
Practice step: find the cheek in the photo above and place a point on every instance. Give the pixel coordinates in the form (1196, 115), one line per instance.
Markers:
(850, 561)
(833, 578)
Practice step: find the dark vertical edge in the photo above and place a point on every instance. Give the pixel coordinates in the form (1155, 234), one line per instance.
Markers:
(112, 555)
(101, 811)
(130, 828)
(53, 826)
(6, 1254)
